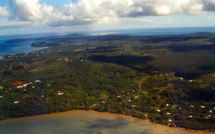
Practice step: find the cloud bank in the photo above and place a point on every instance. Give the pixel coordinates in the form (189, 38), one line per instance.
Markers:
(4, 12)
(30, 10)
(94, 11)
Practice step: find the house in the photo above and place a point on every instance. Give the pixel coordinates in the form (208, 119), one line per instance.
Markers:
(16, 102)
(25, 85)
(133, 105)
(158, 110)
(60, 93)
(170, 120)
(136, 97)
(190, 116)
(37, 81)
(19, 87)
(16, 83)
(168, 113)
(202, 106)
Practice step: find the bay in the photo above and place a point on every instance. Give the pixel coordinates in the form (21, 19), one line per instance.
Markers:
(14, 47)
(86, 122)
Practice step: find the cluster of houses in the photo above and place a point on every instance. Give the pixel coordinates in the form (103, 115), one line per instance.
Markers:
(19, 84)
(83, 49)
(190, 116)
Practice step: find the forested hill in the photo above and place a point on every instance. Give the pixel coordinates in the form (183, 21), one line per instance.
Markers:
(168, 79)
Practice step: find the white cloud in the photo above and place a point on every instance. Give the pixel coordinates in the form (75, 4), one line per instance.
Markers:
(90, 11)
(30, 10)
(4, 12)
(99, 11)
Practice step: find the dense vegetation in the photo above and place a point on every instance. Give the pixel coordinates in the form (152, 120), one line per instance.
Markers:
(168, 79)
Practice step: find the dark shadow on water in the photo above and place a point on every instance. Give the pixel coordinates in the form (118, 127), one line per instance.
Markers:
(105, 123)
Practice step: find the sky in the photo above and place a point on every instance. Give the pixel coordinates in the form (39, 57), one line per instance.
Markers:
(47, 16)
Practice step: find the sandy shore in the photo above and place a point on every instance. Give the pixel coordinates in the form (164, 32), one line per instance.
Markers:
(94, 121)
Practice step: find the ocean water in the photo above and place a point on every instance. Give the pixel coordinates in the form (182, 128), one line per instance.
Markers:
(7, 48)
(85, 122)
(162, 31)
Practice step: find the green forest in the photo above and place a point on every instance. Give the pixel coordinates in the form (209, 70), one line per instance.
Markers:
(168, 79)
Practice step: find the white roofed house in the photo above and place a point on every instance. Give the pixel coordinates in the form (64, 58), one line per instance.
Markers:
(60, 93)
(38, 81)
(19, 87)
(168, 113)
(16, 102)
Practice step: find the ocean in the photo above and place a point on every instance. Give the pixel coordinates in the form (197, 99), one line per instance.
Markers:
(8, 48)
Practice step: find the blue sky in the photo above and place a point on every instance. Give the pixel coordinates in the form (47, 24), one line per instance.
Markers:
(44, 16)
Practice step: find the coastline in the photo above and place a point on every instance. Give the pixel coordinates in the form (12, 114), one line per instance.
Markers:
(94, 114)
(107, 112)
(29, 52)
(20, 47)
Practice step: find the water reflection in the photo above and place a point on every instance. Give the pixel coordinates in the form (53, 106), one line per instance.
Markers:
(85, 122)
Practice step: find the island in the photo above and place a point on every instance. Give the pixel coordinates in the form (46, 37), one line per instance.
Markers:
(168, 79)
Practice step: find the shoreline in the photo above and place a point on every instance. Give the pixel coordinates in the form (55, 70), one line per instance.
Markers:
(129, 114)
(108, 114)
(30, 45)
(29, 52)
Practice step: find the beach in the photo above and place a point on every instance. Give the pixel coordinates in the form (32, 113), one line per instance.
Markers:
(86, 122)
